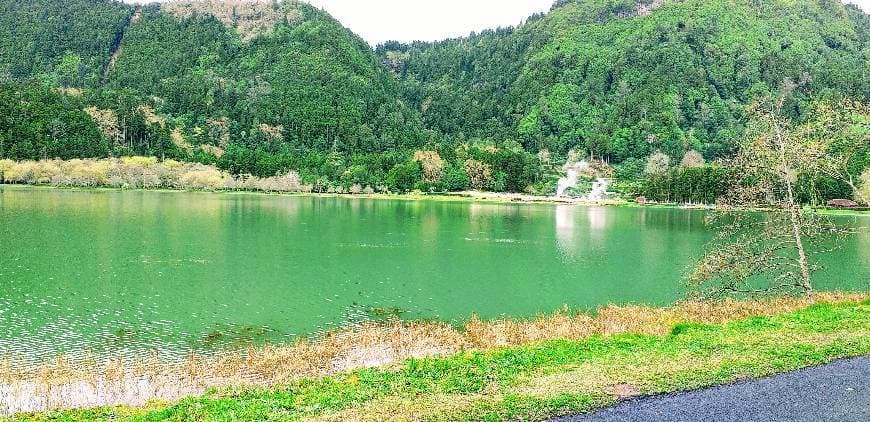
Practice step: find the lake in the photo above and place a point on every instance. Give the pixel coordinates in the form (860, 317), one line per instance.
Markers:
(120, 273)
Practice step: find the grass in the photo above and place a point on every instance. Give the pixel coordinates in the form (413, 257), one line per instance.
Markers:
(648, 355)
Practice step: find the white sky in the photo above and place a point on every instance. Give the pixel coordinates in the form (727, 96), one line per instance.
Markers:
(863, 4)
(427, 20)
(430, 20)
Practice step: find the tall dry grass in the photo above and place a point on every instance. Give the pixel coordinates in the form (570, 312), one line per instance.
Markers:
(142, 172)
(58, 383)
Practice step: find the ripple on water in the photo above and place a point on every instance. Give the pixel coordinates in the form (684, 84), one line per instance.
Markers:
(42, 332)
(104, 333)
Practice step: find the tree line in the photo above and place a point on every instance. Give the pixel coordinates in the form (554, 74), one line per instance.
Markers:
(271, 88)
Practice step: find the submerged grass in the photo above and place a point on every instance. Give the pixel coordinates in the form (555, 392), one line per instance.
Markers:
(566, 362)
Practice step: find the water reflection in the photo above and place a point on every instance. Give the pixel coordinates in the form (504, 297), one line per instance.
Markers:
(598, 219)
(566, 233)
(127, 272)
(570, 232)
(864, 243)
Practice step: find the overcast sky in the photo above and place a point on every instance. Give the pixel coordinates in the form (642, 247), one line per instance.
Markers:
(864, 4)
(408, 20)
(429, 20)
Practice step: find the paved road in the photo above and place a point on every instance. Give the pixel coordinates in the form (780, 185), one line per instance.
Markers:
(836, 392)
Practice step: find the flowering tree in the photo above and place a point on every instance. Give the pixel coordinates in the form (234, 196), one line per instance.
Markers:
(692, 159)
(432, 165)
(658, 163)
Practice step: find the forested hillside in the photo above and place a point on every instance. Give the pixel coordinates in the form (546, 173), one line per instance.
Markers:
(260, 85)
(623, 78)
(264, 87)
(59, 42)
(298, 79)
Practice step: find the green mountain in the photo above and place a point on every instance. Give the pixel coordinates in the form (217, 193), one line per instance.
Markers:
(65, 42)
(623, 78)
(166, 78)
(263, 87)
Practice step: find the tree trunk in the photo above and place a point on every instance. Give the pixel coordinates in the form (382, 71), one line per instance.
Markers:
(794, 214)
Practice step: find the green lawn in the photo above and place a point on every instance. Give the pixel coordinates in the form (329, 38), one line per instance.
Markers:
(539, 380)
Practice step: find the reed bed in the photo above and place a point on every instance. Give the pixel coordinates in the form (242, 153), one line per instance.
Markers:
(149, 173)
(68, 383)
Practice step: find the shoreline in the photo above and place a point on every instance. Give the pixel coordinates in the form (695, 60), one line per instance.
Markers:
(350, 358)
(466, 196)
(458, 197)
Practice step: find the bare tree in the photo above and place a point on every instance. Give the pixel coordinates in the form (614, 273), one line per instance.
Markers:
(544, 157)
(766, 252)
(839, 135)
(432, 165)
(863, 192)
(479, 173)
(107, 122)
(692, 159)
(658, 163)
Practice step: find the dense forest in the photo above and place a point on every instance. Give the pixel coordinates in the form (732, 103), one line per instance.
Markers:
(269, 87)
(621, 79)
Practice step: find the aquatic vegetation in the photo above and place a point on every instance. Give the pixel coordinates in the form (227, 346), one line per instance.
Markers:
(389, 312)
(212, 337)
(233, 336)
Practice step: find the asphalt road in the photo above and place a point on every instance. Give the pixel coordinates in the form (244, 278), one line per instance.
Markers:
(839, 391)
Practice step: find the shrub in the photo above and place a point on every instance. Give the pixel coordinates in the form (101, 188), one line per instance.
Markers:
(5, 166)
(23, 172)
(139, 161)
(455, 179)
(202, 177)
(403, 177)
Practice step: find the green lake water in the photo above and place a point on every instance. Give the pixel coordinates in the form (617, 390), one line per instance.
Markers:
(125, 272)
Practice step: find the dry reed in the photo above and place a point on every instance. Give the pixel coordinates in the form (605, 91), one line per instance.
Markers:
(375, 344)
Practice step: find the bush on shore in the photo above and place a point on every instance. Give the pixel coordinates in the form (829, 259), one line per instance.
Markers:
(145, 172)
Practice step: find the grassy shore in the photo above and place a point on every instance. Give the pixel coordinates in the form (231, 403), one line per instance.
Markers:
(462, 197)
(548, 366)
(465, 197)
